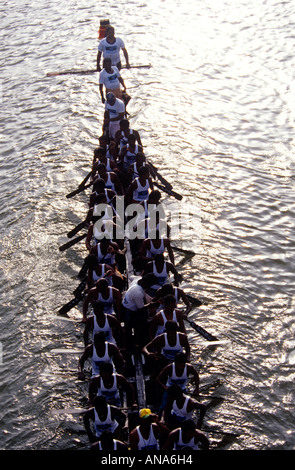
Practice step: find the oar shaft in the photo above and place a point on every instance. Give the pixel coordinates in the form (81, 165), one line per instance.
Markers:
(160, 177)
(90, 71)
(72, 242)
(202, 331)
(168, 191)
(79, 190)
(77, 229)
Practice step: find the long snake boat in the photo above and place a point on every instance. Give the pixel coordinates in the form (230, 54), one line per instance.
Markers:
(121, 261)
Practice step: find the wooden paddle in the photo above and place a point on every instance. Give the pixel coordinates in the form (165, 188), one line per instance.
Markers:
(168, 191)
(69, 305)
(156, 173)
(72, 242)
(202, 331)
(77, 229)
(79, 190)
(89, 72)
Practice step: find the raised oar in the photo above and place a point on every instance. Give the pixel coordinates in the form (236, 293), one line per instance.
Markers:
(168, 191)
(89, 72)
(72, 242)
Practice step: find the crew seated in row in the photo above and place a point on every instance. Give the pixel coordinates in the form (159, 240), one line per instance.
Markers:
(105, 418)
(107, 323)
(110, 384)
(149, 435)
(109, 296)
(180, 296)
(98, 352)
(100, 270)
(168, 313)
(162, 349)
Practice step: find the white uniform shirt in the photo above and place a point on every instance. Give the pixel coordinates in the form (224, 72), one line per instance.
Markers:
(111, 51)
(115, 109)
(110, 80)
(134, 297)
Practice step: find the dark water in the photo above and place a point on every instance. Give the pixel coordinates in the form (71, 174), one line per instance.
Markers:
(216, 115)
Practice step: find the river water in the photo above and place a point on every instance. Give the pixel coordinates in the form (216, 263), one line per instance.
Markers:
(216, 116)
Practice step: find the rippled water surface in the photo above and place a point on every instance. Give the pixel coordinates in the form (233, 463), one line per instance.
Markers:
(216, 115)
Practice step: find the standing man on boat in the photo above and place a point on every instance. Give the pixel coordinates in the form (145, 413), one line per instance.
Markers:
(111, 47)
(134, 311)
(114, 113)
(110, 79)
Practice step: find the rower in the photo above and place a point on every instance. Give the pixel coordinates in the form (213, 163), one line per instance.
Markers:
(140, 187)
(123, 134)
(150, 219)
(100, 157)
(99, 187)
(107, 443)
(177, 292)
(107, 251)
(97, 271)
(168, 313)
(161, 268)
(98, 231)
(110, 178)
(114, 113)
(101, 321)
(147, 434)
(153, 246)
(109, 384)
(108, 147)
(105, 417)
(187, 436)
(100, 351)
(153, 204)
(163, 348)
(110, 296)
(128, 153)
(153, 226)
(181, 407)
(177, 373)
(140, 161)
(101, 211)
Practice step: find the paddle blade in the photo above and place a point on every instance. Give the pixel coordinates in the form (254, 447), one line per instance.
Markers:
(71, 304)
(168, 191)
(202, 331)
